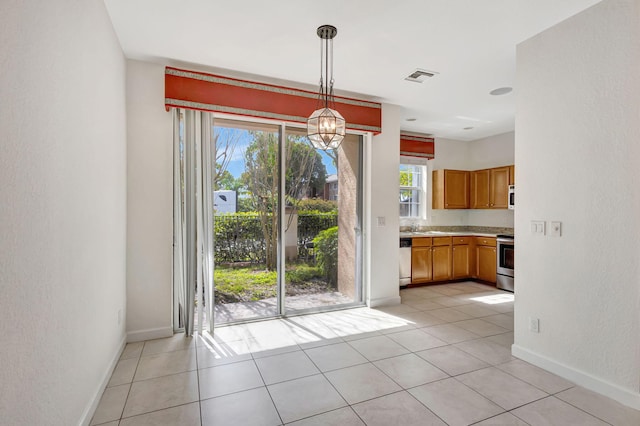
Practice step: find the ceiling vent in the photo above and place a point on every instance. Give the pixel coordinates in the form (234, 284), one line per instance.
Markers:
(420, 75)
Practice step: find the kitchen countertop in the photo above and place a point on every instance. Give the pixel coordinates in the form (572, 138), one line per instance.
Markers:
(447, 231)
(417, 234)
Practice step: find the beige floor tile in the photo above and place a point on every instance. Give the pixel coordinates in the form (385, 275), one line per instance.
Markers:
(486, 350)
(332, 357)
(248, 408)
(447, 291)
(504, 419)
(163, 392)
(305, 397)
(396, 409)
(132, 350)
(416, 340)
(450, 333)
(124, 371)
(600, 406)
(421, 319)
(502, 320)
(538, 377)
(321, 342)
(504, 339)
(229, 378)
(221, 353)
(396, 309)
(360, 336)
(264, 347)
(455, 403)
(361, 382)
(501, 388)
(410, 370)
(342, 416)
(111, 404)
(452, 360)
(551, 411)
(449, 301)
(450, 314)
(423, 304)
(166, 363)
(113, 423)
(477, 310)
(397, 329)
(481, 328)
(176, 343)
(378, 347)
(279, 368)
(425, 292)
(183, 415)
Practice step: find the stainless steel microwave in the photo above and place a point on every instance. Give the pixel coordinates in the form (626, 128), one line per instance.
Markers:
(512, 197)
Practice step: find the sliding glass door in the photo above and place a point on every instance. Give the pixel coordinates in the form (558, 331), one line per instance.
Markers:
(286, 223)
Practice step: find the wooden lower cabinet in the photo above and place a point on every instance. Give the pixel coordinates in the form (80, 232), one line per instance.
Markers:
(461, 261)
(486, 263)
(420, 264)
(441, 258)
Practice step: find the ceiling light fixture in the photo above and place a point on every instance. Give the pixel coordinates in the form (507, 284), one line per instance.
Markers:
(326, 127)
(501, 91)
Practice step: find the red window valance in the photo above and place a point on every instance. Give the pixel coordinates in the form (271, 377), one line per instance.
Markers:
(208, 92)
(417, 146)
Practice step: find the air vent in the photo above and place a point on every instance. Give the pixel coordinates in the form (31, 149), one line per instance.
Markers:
(420, 75)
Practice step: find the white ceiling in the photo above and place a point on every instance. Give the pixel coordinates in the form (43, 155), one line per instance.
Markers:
(470, 43)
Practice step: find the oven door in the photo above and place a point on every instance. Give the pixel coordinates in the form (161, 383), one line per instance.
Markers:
(505, 255)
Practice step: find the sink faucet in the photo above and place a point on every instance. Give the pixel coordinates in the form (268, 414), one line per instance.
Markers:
(414, 227)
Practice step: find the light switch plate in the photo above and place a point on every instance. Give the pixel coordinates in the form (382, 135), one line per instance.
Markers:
(381, 221)
(538, 227)
(556, 229)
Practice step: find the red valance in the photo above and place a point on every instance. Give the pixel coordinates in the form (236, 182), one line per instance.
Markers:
(417, 146)
(208, 92)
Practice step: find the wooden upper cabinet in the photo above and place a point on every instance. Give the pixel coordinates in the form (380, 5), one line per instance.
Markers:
(512, 175)
(498, 197)
(490, 188)
(480, 189)
(450, 189)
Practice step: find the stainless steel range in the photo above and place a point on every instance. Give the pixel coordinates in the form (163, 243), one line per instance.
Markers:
(505, 266)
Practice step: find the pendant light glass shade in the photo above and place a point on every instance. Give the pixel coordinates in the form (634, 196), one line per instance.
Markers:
(326, 126)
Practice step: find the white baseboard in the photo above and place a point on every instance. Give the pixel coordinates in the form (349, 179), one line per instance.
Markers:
(584, 379)
(385, 301)
(149, 334)
(87, 415)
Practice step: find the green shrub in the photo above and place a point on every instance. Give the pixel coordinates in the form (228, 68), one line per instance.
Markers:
(316, 204)
(326, 248)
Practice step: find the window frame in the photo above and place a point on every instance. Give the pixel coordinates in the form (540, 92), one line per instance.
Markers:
(421, 206)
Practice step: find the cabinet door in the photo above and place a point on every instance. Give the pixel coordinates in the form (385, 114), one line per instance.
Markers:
(480, 189)
(420, 264)
(461, 256)
(441, 263)
(456, 189)
(512, 175)
(499, 188)
(486, 263)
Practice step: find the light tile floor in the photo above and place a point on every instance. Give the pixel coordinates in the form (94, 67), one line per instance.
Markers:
(442, 357)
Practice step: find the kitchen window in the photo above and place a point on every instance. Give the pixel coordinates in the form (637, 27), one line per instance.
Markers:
(413, 194)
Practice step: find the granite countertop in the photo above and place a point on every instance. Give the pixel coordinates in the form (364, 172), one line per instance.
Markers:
(445, 231)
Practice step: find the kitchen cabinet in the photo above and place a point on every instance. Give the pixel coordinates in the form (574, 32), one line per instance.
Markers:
(490, 188)
(441, 258)
(450, 189)
(421, 268)
(512, 175)
(485, 259)
(462, 262)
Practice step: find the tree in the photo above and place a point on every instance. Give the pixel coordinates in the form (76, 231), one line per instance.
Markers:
(226, 141)
(305, 170)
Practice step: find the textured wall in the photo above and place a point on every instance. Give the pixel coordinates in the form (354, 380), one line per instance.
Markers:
(62, 209)
(578, 157)
(149, 203)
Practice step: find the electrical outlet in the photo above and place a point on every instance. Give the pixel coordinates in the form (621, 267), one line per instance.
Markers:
(534, 325)
(556, 229)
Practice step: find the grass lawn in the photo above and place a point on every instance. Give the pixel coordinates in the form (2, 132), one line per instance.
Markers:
(253, 283)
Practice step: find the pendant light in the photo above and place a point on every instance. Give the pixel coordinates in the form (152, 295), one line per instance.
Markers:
(325, 126)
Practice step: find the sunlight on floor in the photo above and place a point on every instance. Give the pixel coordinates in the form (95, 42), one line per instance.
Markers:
(494, 299)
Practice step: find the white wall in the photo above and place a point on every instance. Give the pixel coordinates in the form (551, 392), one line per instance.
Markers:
(494, 151)
(578, 161)
(383, 164)
(63, 209)
(149, 204)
